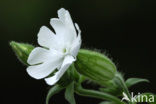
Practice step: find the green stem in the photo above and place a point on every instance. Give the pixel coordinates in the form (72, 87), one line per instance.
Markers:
(122, 84)
(96, 94)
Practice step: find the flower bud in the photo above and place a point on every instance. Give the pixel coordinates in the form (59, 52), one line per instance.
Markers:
(95, 66)
(22, 51)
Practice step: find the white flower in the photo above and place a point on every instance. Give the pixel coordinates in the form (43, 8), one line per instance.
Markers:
(58, 50)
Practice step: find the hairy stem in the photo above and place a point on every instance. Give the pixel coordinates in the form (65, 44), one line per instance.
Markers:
(120, 81)
(96, 94)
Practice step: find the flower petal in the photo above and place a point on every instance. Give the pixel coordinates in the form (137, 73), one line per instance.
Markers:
(66, 63)
(38, 55)
(46, 37)
(64, 35)
(42, 70)
(76, 43)
(52, 61)
(65, 17)
(58, 25)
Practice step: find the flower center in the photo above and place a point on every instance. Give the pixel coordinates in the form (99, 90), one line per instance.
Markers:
(64, 50)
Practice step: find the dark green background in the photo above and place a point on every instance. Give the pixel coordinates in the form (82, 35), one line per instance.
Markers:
(125, 29)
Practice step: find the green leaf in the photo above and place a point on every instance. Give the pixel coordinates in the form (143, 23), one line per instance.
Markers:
(54, 90)
(151, 98)
(106, 102)
(69, 93)
(22, 51)
(132, 81)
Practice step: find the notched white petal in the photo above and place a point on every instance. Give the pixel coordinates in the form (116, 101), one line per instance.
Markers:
(38, 55)
(66, 63)
(45, 37)
(58, 25)
(43, 70)
(64, 35)
(77, 42)
(65, 17)
(61, 13)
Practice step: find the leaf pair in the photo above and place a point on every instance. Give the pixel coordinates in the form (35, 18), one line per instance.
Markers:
(69, 93)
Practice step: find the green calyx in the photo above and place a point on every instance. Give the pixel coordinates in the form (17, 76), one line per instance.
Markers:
(22, 50)
(95, 66)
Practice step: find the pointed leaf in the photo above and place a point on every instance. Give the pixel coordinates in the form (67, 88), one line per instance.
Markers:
(69, 93)
(132, 81)
(54, 90)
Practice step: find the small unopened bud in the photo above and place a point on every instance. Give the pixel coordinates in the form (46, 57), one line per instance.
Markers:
(95, 66)
(22, 51)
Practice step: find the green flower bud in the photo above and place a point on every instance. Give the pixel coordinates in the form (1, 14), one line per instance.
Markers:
(95, 66)
(22, 51)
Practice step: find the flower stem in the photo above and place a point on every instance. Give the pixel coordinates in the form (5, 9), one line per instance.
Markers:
(120, 81)
(96, 94)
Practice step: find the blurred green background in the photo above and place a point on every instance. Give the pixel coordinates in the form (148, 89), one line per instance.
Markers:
(125, 29)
